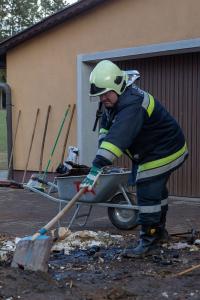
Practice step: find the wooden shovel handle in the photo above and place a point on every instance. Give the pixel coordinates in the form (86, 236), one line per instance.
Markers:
(65, 209)
(59, 215)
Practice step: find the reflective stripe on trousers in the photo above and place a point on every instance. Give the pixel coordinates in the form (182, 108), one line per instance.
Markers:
(153, 208)
(152, 199)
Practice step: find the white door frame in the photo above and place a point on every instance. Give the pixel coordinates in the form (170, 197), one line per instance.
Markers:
(86, 139)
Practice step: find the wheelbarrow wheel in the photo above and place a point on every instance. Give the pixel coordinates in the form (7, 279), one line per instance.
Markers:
(124, 219)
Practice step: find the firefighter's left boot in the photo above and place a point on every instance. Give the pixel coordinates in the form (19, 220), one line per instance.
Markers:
(149, 239)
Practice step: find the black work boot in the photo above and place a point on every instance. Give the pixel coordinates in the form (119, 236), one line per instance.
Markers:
(164, 236)
(149, 238)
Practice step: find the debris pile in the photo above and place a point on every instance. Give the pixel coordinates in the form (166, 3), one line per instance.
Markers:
(7, 247)
(86, 239)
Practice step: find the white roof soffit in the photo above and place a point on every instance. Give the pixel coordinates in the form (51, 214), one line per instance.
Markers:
(177, 47)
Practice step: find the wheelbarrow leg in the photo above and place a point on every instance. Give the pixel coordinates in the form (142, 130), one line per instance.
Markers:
(74, 215)
(122, 189)
(86, 215)
(53, 187)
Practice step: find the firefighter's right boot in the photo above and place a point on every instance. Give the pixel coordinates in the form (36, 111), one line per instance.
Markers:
(149, 238)
(164, 236)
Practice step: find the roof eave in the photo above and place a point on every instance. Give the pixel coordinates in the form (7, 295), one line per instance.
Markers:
(48, 23)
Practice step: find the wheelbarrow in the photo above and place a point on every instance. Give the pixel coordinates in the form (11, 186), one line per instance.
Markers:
(110, 191)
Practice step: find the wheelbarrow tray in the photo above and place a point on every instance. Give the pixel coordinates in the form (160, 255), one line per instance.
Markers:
(106, 186)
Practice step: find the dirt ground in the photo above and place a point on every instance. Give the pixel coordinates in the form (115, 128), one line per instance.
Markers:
(99, 273)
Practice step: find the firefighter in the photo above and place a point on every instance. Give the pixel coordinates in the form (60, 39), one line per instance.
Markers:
(136, 123)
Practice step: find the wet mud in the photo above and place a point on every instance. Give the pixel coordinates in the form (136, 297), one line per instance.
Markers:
(101, 273)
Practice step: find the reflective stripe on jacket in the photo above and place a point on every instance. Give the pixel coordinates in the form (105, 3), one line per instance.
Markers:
(163, 165)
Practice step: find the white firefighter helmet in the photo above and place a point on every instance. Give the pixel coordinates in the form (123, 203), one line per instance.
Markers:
(107, 76)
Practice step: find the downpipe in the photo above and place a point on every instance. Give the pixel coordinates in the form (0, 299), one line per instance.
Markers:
(6, 88)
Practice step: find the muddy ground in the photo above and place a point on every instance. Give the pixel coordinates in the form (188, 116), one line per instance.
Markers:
(98, 273)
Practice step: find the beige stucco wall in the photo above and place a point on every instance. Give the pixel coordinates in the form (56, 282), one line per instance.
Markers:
(42, 71)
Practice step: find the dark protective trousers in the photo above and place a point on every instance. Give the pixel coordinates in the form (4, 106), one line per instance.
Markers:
(152, 197)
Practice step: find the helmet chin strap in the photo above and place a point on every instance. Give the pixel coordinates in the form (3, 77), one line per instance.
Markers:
(98, 115)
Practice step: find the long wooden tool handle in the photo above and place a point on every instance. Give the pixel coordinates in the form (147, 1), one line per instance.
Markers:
(187, 270)
(13, 146)
(56, 141)
(67, 134)
(29, 152)
(44, 137)
(67, 207)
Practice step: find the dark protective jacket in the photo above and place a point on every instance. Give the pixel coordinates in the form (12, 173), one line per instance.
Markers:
(141, 127)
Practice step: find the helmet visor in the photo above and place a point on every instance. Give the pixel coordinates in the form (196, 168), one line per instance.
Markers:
(96, 91)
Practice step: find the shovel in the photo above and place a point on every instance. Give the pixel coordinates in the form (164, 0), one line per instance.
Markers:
(32, 253)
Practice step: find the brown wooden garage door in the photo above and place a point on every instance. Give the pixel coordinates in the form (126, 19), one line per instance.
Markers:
(175, 81)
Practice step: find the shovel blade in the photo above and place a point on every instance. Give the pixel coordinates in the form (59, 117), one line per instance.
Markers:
(32, 254)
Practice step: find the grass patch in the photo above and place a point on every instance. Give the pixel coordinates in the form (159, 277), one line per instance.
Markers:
(3, 131)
